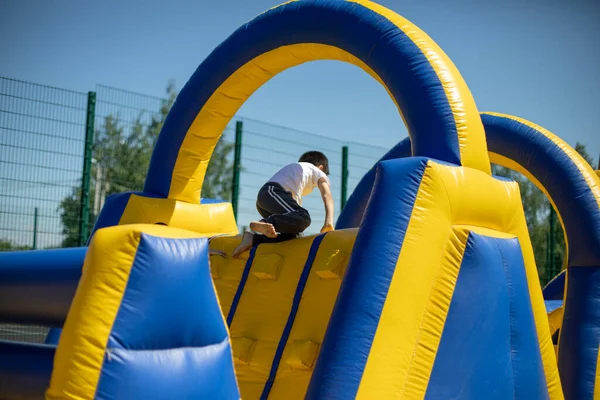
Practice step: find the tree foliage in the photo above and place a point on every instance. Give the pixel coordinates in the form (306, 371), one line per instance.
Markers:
(537, 214)
(121, 159)
(7, 245)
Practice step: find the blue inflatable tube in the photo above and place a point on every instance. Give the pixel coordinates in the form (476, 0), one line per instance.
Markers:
(544, 158)
(555, 289)
(36, 287)
(352, 214)
(25, 370)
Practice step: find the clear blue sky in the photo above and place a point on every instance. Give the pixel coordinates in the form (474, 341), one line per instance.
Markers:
(538, 59)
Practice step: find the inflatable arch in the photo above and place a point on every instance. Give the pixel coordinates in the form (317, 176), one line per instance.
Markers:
(573, 188)
(432, 98)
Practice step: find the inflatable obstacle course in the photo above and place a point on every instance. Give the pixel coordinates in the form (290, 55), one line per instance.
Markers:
(432, 292)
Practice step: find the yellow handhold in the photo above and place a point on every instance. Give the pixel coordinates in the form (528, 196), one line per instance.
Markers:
(303, 355)
(230, 271)
(333, 267)
(227, 271)
(242, 350)
(267, 266)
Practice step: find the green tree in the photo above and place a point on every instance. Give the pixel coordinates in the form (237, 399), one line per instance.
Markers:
(581, 149)
(69, 217)
(7, 245)
(121, 160)
(537, 209)
(218, 181)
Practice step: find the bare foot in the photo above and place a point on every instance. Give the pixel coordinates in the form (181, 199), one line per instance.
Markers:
(244, 246)
(265, 228)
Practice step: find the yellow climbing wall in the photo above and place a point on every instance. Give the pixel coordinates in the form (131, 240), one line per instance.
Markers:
(267, 354)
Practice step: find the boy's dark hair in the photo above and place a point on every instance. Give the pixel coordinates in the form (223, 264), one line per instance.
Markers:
(316, 158)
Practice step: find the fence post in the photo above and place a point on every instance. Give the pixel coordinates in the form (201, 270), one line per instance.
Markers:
(84, 209)
(237, 167)
(344, 175)
(35, 224)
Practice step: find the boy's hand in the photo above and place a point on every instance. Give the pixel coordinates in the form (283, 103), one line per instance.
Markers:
(328, 201)
(327, 228)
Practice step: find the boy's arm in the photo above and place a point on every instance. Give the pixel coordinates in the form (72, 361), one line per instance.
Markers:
(325, 190)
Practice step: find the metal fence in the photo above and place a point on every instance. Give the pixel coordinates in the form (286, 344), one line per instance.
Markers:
(48, 201)
(41, 157)
(21, 333)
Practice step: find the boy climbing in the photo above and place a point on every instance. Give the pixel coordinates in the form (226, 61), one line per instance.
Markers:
(279, 202)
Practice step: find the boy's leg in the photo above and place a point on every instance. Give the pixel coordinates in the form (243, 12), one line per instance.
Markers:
(261, 226)
(250, 239)
(245, 245)
(279, 209)
(283, 212)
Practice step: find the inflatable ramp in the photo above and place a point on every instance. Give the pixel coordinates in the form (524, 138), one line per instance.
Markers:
(278, 303)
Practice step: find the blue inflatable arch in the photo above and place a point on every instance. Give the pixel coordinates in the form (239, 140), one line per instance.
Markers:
(573, 188)
(431, 95)
(569, 182)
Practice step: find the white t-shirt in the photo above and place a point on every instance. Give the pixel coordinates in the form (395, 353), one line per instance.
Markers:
(299, 179)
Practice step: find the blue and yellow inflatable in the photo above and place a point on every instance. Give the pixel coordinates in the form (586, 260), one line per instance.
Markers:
(427, 289)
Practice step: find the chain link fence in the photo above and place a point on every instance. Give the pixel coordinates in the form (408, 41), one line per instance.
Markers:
(41, 158)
